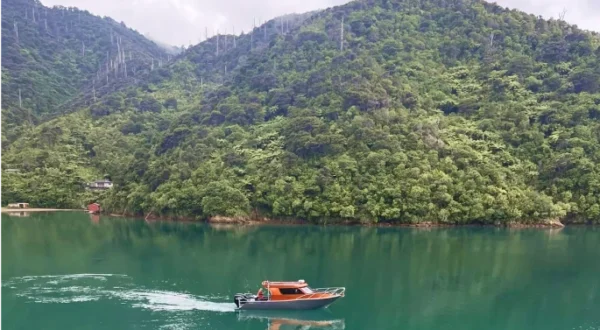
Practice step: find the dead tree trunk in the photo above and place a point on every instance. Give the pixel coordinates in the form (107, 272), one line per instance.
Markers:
(233, 33)
(16, 32)
(342, 35)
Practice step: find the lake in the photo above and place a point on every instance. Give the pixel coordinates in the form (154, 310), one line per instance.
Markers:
(77, 271)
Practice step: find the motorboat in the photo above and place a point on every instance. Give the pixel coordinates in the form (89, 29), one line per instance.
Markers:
(288, 296)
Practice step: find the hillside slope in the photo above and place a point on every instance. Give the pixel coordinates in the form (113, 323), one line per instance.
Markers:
(375, 111)
(50, 55)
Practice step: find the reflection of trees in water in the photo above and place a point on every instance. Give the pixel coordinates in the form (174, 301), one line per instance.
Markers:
(413, 277)
(19, 214)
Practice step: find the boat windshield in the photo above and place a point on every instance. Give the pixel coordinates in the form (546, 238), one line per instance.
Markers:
(307, 290)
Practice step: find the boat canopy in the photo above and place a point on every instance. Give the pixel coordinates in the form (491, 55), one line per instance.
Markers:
(284, 285)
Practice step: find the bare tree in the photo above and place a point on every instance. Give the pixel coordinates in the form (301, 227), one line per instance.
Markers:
(252, 34)
(118, 49)
(82, 49)
(342, 35)
(233, 32)
(217, 42)
(16, 31)
(562, 14)
(20, 101)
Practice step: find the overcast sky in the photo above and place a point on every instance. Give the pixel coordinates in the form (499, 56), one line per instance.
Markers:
(179, 22)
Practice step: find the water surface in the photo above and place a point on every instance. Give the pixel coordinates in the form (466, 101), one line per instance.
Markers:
(75, 271)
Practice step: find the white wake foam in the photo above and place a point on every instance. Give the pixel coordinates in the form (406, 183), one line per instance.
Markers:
(64, 289)
(172, 301)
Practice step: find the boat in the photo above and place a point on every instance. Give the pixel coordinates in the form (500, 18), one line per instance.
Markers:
(288, 296)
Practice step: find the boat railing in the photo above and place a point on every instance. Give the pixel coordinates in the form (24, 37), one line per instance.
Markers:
(316, 293)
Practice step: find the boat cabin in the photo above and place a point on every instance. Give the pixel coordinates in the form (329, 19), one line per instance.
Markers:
(286, 290)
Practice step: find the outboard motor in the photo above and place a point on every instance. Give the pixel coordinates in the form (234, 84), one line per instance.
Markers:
(239, 299)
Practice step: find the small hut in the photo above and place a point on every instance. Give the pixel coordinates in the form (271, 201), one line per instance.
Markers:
(94, 208)
(18, 205)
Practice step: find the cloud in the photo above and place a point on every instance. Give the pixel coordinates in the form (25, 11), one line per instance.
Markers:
(181, 22)
(583, 13)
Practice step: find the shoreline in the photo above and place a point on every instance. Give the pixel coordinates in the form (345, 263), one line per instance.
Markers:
(263, 221)
(38, 209)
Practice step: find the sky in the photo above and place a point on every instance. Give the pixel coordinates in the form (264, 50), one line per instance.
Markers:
(183, 22)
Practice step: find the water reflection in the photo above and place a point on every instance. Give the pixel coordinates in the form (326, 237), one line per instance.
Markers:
(19, 214)
(95, 218)
(397, 278)
(281, 320)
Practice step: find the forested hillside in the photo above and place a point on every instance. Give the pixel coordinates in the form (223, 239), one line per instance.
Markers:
(51, 55)
(376, 111)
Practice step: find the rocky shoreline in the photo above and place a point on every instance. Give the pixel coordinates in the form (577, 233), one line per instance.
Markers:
(252, 221)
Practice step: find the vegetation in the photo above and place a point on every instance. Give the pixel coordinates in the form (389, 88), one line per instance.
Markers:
(447, 111)
(52, 55)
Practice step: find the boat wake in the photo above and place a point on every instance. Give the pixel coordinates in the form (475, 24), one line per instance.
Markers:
(81, 288)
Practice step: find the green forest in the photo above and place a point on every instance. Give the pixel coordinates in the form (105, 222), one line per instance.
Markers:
(377, 111)
(53, 57)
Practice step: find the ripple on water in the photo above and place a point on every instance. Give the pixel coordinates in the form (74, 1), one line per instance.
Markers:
(79, 288)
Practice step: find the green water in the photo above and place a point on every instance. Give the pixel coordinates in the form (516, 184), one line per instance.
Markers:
(71, 271)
